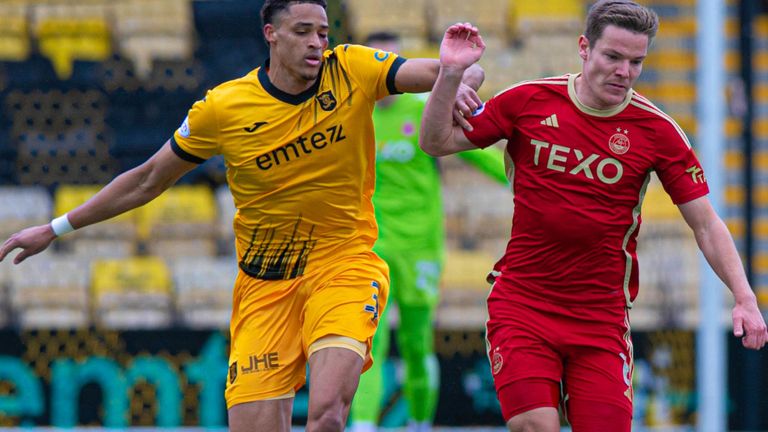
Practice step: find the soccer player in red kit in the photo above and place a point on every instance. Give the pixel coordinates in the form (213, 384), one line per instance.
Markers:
(581, 150)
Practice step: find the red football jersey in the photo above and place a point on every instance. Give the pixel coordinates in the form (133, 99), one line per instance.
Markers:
(578, 177)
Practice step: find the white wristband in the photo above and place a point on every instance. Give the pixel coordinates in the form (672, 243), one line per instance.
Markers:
(61, 225)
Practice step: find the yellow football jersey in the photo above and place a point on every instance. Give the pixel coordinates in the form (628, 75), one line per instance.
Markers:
(300, 167)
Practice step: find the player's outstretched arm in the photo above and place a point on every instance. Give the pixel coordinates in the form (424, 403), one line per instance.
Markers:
(462, 47)
(127, 191)
(717, 245)
(418, 75)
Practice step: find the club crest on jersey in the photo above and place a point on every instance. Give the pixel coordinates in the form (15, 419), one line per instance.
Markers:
(497, 361)
(619, 142)
(233, 372)
(327, 100)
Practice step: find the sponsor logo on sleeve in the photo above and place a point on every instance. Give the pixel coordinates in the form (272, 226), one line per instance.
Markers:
(697, 174)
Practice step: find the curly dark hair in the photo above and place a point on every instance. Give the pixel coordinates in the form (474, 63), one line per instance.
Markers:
(275, 7)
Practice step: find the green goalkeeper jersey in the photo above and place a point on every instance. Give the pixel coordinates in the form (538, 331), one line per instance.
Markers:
(408, 197)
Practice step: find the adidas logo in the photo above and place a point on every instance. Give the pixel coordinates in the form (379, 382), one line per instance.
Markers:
(551, 121)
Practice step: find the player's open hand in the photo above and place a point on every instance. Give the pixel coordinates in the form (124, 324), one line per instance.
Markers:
(462, 46)
(749, 325)
(31, 241)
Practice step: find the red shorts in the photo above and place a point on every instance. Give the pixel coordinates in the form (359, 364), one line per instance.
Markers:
(543, 353)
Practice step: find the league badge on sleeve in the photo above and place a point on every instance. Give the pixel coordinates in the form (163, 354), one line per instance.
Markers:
(381, 55)
(184, 128)
(478, 110)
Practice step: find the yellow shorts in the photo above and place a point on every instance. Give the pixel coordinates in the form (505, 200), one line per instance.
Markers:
(275, 322)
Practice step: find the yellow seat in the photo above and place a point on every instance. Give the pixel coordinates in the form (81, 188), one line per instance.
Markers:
(545, 16)
(762, 296)
(490, 16)
(370, 16)
(149, 30)
(657, 205)
(65, 35)
(132, 292)
(14, 38)
(464, 289)
(180, 222)
(178, 212)
(467, 269)
(50, 291)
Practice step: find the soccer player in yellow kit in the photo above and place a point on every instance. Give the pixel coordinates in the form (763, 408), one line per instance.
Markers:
(297, 138)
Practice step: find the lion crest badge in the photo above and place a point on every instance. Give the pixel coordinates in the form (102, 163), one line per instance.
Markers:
(327, 100)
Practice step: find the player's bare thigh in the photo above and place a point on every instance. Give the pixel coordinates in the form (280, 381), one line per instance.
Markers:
(544, 419)
(267, 415)
(335, 365)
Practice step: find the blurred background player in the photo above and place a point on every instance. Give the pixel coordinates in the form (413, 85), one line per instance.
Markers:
(409, 211)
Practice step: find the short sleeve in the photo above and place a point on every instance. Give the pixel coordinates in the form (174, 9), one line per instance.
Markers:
(493, 121)
(678, 167)
(373, 68)
(196, 140)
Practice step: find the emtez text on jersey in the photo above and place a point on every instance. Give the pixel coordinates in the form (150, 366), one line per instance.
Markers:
(608, 170)
(302, 146)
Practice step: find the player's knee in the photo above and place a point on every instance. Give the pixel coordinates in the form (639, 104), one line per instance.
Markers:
(329, 414)
(328, 411)
(326, 420)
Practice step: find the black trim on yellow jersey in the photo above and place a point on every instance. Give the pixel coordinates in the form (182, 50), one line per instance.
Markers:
(184, 155)
(269, 258)
(296, 99)
(391, 75)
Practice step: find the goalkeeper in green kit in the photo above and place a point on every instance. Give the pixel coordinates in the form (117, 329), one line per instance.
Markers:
(409, 211)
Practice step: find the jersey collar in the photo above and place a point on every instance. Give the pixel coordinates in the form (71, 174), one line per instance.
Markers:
(294, 99)
(594, 111)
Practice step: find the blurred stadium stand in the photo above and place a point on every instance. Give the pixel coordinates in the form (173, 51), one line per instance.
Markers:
(92, 88)
(132, 293)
